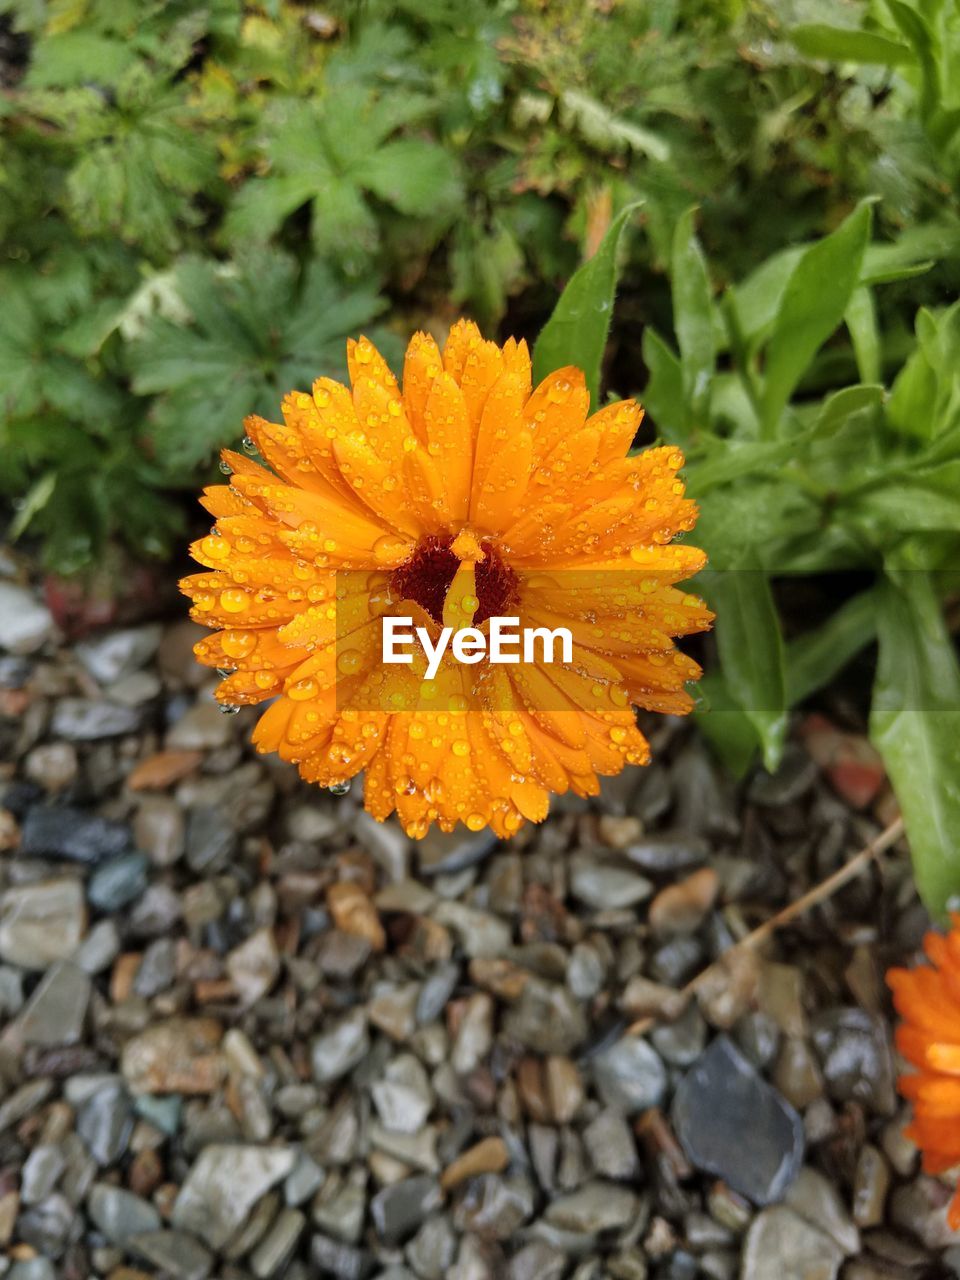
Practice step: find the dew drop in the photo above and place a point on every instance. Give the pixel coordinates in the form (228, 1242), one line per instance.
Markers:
(248, 445)
(233, 600)
(339, 788)
(225, 468)
(229, 709)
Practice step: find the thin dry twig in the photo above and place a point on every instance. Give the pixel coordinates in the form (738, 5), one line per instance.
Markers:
(849, 871)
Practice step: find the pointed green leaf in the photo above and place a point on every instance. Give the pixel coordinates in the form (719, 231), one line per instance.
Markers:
(750, 645)
(915, 724)
(693, 316)
(812, 306)
(576, 332)
(847, 44)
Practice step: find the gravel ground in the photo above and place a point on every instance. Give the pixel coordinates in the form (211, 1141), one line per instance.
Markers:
(249, 1032)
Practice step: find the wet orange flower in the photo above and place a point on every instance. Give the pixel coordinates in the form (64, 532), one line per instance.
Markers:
(465, 496)
(928, 1000)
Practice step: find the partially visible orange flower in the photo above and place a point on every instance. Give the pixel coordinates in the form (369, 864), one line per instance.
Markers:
(464, 496)
(928, 1000)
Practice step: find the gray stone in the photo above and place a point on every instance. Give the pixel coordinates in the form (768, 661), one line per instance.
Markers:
(595, 1207)
(11, 991)
(668, 854)
(817, 1200)
(42, 922)
(436, 992)
(443, 853)
(332, 1257)
(781, 1246)
(53, 765)
(547, 1018)
(159, 829)
(158, 968)
(33, 1269)
(855, 1056)
(432, 1249)
(24, 1101)
(681, 1042)
(223, 1185)
(25, 624)
(630, 1075)
(105, 1122)
(474, 1034)
(113, 654)
(254, 966)
(731, 1123)
(480, 933)
(211, 841)
(179, 1256)
(402, 1097)
(610, 1145)
(47, 1225)
(304, 1180)
(202, 728)
(55, 1012)
(99, 948)
(606, 887)
(116, 884)
(537, 1261)
(495, 1206)
(89, 720)
(387, 843)
(340, 1049)
(585, 972)
(399, 1209)
(276, 1247)
(120, 1214)
(59, 832)
(41, 1170)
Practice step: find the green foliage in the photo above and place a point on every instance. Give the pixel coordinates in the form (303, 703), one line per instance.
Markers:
(242, 337)
(796, 479)
(200, 201)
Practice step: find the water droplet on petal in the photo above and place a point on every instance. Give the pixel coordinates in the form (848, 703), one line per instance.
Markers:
(339, 788)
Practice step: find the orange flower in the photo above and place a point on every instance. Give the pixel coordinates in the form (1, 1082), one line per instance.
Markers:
(928, 999)
(463, 497)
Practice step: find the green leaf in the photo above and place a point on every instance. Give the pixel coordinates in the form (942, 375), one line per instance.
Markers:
(915, 725)
(576, 332)
(812, 306)
(725, 725)
(814, 659)
(415, 177)
(663, 396)
(846, 44)
(750, 645)
(861, 321)
(914, 27)
(78, 57)
(693, 316)
(255, 332)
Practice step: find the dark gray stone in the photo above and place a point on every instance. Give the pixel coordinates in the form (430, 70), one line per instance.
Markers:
(105, 1123)
(630, 1075)
(734, 1125)
(399, 1209)
(118, 883)
(855, 1056)
(174, 1253)
(211, 841)
(120, 1214)
(332, 1257)
(50, 831)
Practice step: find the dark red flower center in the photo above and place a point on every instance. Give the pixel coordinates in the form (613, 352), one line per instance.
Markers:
(427, 575)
